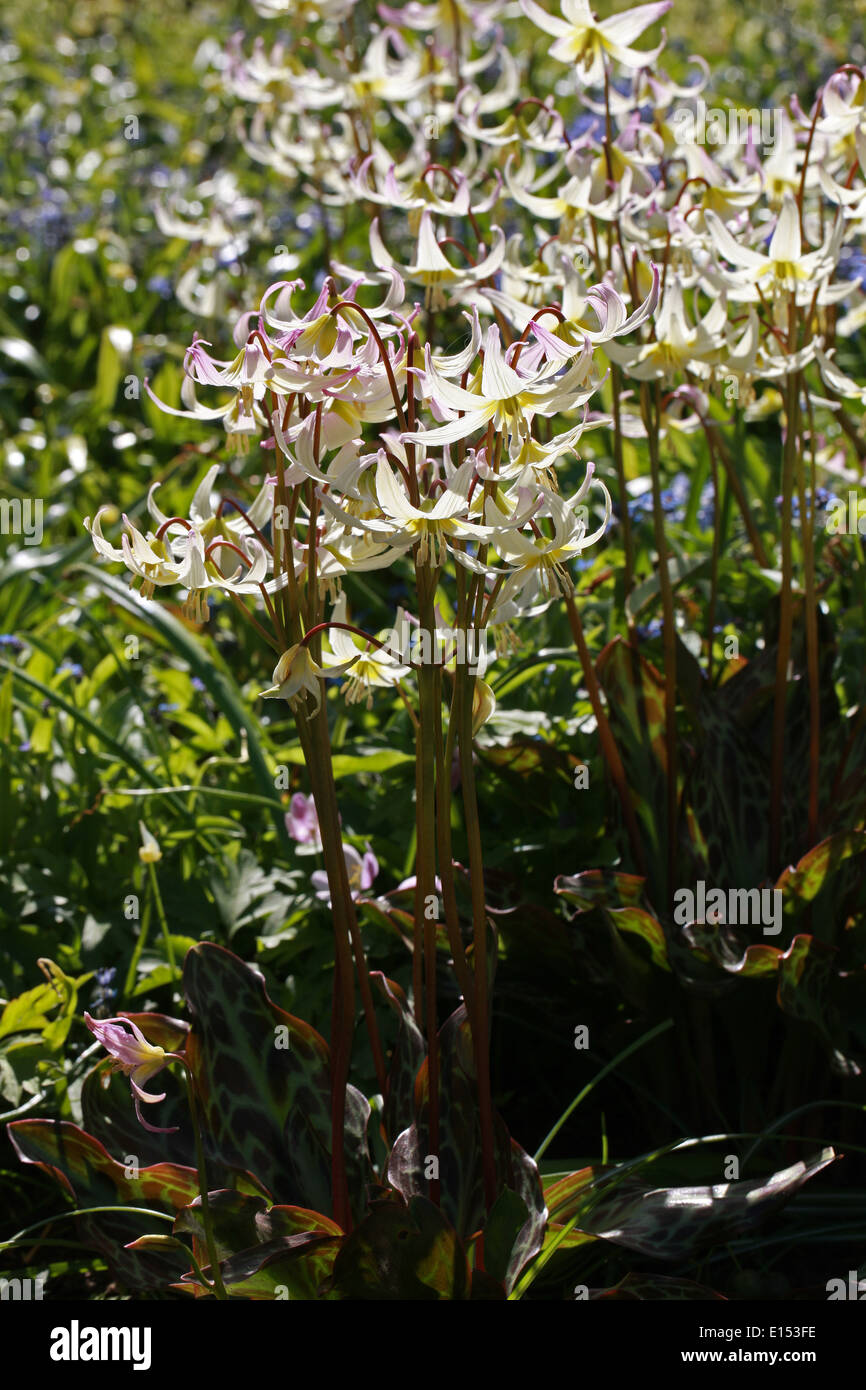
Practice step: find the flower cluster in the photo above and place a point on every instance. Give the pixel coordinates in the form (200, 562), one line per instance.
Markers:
(644, 257)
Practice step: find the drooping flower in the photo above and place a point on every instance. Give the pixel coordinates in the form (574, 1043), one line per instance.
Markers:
(371, 666)
(296, 675)
(361, 871)
(302, 822)
(135, 1057)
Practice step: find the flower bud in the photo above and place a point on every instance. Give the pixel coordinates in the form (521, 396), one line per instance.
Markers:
(483, 705)
(150, 852)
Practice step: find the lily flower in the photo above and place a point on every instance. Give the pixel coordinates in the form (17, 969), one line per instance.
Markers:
(371, 666)
(361, 872)
(135, 1057)
(786, 267)
(503, 395)
(431, 268)
(302, 822)
(430, 524)
(296, 675)
(583, 39)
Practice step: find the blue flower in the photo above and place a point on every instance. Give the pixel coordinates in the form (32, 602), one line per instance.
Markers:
(159, 284)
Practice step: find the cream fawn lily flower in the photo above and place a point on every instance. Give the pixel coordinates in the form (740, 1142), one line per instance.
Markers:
(502, 395)
(180, 559)
(236, 527)
(575, 203)
(297, 675)
(416, 197)
(373, 666)
(837, 380)
(431, 268)
(430, 525)
(583, 39)
(533, 463)
(678, 345)
(475, 17)
(319, 331)
(536, 563)
(385, 78)
(237, 423)
(786, 268)
(150, 852)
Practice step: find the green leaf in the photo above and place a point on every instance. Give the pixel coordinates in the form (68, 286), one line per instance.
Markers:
(402, 1253)
(264, 1251)
(83, 1168)
(673, 1223)
(507, 1217)
(648, 589)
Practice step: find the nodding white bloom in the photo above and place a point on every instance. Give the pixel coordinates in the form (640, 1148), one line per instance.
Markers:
(588, 42)
(500, 395)
(678, 345)
(483, 705)
(578, 200)
(837, 380)
(431, 525)
(536, 563)
(431, 268)
(420, 195)
(388, 78)
(181, 553)
(786, 268)
(371, 666)
(297, 675)
(304, 10)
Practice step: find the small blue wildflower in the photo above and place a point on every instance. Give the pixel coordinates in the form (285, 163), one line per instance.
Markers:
(161, 285)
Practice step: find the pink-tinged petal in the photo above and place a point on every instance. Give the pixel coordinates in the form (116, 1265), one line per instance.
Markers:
(369, 869)
(142, 1094)
(152, 1129)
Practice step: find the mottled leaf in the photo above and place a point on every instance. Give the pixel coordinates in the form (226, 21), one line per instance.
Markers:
(402, 1253)
(267, 1107)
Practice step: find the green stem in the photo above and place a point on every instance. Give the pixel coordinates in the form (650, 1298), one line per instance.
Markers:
(625, 519)
(160, 912)
(807, 522)
(129, 983)
(317, 753)
(444, 760)
(605, 733)
(218, 1285)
